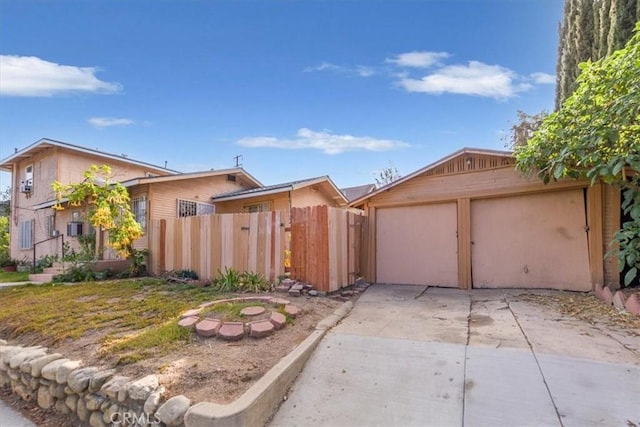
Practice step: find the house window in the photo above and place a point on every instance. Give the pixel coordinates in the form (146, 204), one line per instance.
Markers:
(258, 207)
(139, 209)
(74, 229)
(50, 224)
(26, 234)
(191, 208)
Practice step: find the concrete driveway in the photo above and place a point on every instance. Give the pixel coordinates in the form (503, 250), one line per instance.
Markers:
(418, 356)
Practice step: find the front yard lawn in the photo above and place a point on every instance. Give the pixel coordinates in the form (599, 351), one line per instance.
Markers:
(13, 276)
(131, 318)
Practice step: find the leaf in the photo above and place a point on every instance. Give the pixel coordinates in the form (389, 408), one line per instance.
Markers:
(631, 274)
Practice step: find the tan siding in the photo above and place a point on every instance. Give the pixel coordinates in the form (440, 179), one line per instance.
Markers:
(501, 181)
(163, 196)
(277, 202)
(308, 196)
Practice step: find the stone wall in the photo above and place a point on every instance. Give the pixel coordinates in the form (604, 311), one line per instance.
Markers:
(97, 397)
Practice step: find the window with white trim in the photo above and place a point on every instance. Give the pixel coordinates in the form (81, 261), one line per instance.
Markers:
(258, 207)
(191, 208)
(26, 234)
(139, 210)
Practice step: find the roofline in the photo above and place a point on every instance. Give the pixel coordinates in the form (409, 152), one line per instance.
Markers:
(465, 150)
(290, 187)
(201, 174)
(81, 149)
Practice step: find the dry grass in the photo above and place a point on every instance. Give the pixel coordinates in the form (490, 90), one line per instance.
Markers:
(136, 317)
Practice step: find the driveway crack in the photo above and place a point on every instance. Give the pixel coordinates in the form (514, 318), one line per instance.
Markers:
(464, 370)
(535, 357)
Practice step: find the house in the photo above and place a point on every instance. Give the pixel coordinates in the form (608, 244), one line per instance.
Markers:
(156, 193)
(282, 197)
(470, 220)
(353, 193)
(36, 228)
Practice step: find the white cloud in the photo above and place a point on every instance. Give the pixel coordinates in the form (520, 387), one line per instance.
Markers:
(475, 78)
(103, 122)
(360, 70)
(421, 59)
(30, 76)
(543, 78)
(325, 141)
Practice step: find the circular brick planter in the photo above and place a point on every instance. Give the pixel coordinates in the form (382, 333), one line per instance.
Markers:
(234, 331)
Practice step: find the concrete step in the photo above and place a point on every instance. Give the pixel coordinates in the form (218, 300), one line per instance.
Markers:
(41, 278)
(53, 270)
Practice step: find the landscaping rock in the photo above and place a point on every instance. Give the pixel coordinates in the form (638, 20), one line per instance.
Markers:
(95, 420)
(94, 401)
(619, 300)
(288, 282)
(232, 331)
(3, 342)
(39, 363)
(22, 391)
(45, 400)
(597, 289)
(72, 402)
(282, 289)
(153, 401)
(110, 415)
(347, 293)
(313, 293)
(279, 301)
(291, 310)
(297, 287)
(607, 296)
(278, 320)
(58, 391)
(99, 379)
(61, 407)
(295, 292)
(208, 327)
(260, 329)
(188, 322)
(113, 386)
(65, 369)
(632, 304)
(8, 352)
(78, 380)
(49, 370)
(172, 411)
(142, 389)
(252, 311)
(24, 356)
(82, 411)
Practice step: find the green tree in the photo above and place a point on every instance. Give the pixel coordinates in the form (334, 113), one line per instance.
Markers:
(5, 202)
(596, 135)
(109, 206)
(4, 240)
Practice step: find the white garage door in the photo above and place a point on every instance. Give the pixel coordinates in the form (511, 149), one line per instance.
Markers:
(417, 245)
(531, 241)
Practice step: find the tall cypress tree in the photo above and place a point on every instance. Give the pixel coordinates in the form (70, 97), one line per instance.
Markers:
(591, 30)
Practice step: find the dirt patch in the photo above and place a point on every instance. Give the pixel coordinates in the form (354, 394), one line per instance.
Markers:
(205, 369)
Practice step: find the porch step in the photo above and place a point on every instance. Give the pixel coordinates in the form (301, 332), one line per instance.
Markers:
(53, 270)
(41, 278)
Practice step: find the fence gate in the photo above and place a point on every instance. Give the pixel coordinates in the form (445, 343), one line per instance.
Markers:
(325, 246)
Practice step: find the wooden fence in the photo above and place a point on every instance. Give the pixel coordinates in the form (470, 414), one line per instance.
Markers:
(246, 242)
(325, 245)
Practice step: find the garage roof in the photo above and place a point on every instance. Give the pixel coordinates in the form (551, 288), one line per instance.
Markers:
(433, 166)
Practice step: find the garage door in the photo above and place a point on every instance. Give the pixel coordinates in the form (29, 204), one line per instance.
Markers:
(417, 245)
(532, 241)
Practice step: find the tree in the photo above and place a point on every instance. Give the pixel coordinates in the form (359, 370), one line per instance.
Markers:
(596, 135)
(523, 130)
(387, 175)
(109, 207)
(591, 30)
(5, 202)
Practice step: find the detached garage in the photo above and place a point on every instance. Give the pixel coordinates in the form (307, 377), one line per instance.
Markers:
(471, 220)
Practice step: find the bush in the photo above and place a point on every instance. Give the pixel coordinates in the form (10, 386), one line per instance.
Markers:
(234, 281)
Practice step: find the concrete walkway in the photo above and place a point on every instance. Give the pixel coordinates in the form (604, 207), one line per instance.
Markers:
(417, 356)
(12, 418)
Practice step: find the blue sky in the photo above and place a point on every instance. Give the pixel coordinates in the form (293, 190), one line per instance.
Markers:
(298, 88)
